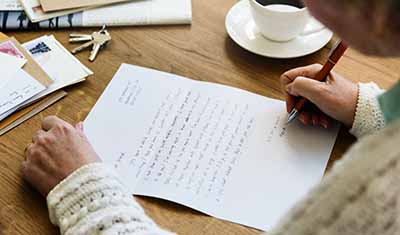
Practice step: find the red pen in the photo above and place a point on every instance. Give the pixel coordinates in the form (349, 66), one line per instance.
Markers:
(335, 55)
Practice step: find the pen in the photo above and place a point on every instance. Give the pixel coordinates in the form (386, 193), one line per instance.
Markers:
(336, 53)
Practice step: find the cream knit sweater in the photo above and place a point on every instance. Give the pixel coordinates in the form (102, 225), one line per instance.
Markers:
(359, 196)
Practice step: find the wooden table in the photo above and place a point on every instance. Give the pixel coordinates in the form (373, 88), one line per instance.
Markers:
(202, 51)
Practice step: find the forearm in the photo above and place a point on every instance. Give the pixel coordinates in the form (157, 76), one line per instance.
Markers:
(93, 201)
(368, 117)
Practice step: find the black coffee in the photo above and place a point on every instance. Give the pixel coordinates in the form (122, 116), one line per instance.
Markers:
(295, 3)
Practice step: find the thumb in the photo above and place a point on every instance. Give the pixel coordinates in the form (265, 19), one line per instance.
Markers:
(79, 128)
(307, 88)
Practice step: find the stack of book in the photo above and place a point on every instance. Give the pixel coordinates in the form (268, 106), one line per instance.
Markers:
(36, 14)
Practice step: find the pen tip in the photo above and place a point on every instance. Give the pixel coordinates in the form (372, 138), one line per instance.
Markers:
(292, 116)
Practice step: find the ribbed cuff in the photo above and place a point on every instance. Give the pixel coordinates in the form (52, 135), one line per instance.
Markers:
(369, 117)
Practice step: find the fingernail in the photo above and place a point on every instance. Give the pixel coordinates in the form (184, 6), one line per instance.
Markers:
(288, 89)
(302, 120)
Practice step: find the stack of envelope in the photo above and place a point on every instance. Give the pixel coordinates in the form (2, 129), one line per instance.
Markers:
(31, 72)
(22, 77)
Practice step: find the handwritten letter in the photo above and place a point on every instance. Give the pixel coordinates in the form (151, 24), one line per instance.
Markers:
(217, 149)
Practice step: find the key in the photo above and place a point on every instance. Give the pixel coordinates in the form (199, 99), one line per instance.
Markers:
(94, 52)
(96, 40)
(79, 35)
(100, 40)
(103, 28)
(81, 39)
(82, 47)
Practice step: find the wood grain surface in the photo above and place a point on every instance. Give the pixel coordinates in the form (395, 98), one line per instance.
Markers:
(202, 51)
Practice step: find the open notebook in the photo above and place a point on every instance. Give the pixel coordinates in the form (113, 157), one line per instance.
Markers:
(217, 149)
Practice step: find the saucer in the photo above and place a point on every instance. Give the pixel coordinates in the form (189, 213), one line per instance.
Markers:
(242, 29)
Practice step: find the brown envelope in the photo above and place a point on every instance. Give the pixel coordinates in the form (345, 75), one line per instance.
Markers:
(55, 5)
(3, 36)
(31, 66)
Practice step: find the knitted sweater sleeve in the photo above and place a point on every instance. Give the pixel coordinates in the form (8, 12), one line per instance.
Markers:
(93, 201)
(369, 117)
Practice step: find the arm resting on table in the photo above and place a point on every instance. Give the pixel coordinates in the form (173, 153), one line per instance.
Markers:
(92, 200)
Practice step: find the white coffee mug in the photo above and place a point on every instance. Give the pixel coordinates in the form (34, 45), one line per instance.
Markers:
(281, 26)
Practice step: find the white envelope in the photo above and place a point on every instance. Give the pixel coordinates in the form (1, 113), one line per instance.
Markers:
(19, 88)
(12, 61)
(8, 65)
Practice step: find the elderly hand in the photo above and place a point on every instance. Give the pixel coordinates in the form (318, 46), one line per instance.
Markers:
(337, 97)
(57, 150)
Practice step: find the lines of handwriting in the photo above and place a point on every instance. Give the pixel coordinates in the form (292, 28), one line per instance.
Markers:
(130, 93)
(278, 129)
(194, 143)
(17, 96)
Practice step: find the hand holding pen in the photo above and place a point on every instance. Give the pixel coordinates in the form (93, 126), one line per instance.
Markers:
(335, 96)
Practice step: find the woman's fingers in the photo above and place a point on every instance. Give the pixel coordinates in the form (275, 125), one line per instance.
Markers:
(50, 122)
(79, 128)
(315, 118)
(305, 118)
(290, 102)
(308, 88)
(37, 135)
(292, 86)
(29, 146)
(325, 121)
(309, 71)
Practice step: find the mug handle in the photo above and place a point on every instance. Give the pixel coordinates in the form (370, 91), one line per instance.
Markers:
(313, 26)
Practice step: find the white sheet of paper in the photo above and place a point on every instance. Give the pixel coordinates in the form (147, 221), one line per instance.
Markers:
(217, 149)
(10, 5)
(8, 65)
(19, 88)
(62, 67)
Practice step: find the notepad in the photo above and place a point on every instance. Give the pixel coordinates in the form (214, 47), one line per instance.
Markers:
(217, 149)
